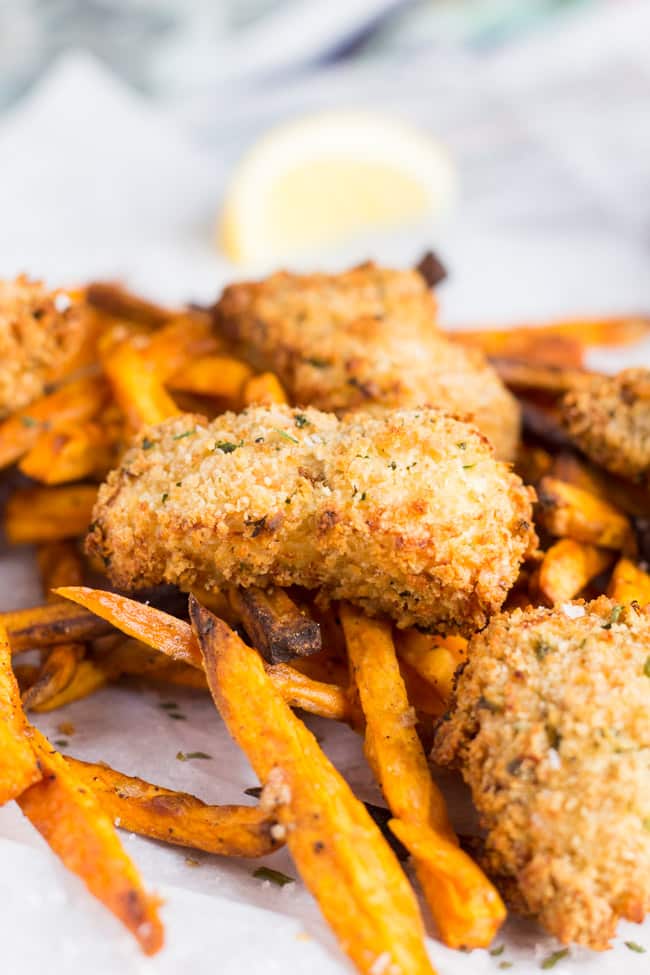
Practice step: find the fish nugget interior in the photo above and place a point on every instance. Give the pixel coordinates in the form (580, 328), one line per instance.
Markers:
(551, 728)
(364, 339)
(40, 331)
(405, 513)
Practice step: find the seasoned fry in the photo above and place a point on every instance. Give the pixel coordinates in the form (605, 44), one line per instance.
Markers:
(275, 625)
(177, 817)
(71, 453)
(568, 511)
(59, 564)
(45, 626)
(137, 387)
(465, 905)
(47, 514)
(532, 463)
(629, 583)
(213, 375)
(88, 678)
(71, 820)
(18, 766)
(567, 567)
(265, 389)
(74, 403)
(339, 851)
(54, 675)
(435, 658)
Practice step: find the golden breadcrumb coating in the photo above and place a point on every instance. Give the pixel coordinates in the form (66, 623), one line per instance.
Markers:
(405, 513)
(609, 419)
(364, 339)
(40, 332)
(551, 728)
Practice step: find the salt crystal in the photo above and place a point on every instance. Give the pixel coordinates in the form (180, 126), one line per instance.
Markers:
(572, 611)
(62, 301)
(554, 759)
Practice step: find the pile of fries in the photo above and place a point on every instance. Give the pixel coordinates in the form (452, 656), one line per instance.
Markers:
(261, 654)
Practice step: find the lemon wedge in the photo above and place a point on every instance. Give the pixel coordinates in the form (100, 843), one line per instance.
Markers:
(320, 180)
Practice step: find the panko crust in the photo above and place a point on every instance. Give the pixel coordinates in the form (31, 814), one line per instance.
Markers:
(609, 419)
(40, 332)
(364, 339)
(551, 727)
(406, 513)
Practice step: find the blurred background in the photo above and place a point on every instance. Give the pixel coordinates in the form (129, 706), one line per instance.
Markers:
(123, 124)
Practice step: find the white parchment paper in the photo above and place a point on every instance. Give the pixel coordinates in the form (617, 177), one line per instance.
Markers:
(95, 183)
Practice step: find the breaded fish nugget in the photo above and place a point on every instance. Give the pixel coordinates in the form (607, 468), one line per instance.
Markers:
(365, 339)
(550, 725)
(40, 332)
(609, 419)
(405, 513)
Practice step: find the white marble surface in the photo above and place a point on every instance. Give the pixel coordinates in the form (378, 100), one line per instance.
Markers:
(554, 156)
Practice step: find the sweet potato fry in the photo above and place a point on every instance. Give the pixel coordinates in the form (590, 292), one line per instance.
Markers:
(45, 626)
(177, 344)
(76, 402)
(532, 463)
(115, 300)
(55, 673)
(538, 376)
(542, 423)
(265, 389)
(435, 658)
(525, 343)
(59, 564)
(629, 583)
(214, 375)
(631, 498)
(274, 624)
(130, 658)
(177, 817)
(18, 766)
(88, 678)
(568, 467)
(67, 814)
(159, 630)
(137, 388)
(71, 453)
(338, 849)
(589, 331)
(175, 638)
(47, 514)
(568, 511)
(567, 567)
(217, 602)
(465, 905)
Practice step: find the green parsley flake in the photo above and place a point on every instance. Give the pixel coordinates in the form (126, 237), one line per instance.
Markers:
(168, 705)
(646, 667)
(633, 946)
(176, 717)
(28, 421)
(226, 446)
(61, 743)
(301, 420)
(553, 959)
(495, 952)
(505, 964)
(275, 876)
(646, 824)
(164, 497)
(317, 363)
(188, 433)
(613, 617)
(186, 756)
(285, 435)
(468, 467)
(148, 444)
